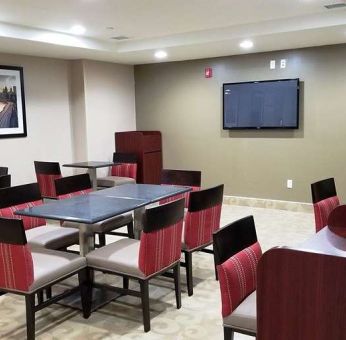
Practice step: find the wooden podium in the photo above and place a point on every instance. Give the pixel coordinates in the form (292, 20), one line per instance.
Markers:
(147, 145)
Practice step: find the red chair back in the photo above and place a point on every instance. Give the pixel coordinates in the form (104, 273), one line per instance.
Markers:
(21, 197)
(16, 265)
(237, 253)
(187, 178)
(160, 244)
(71, 186)
(203, 217)
(46, 174)
(125, 165)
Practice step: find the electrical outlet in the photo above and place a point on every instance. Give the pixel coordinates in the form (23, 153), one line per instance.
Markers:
(283, 63)
(272, 65)
(289, 184)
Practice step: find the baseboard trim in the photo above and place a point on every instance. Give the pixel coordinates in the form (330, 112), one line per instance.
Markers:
(268, 203)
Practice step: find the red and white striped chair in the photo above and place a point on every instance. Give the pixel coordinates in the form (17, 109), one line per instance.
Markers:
(156, 252)
(28, 272)
(46, 174)
(325, 199)
(237, 252)
(186, 178)
(123, 171)
(201, 220)
(38, 232)
(71, 186)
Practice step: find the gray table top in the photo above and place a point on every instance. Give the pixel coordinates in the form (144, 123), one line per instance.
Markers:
(150, 192)
(87, 209)
(89, 165)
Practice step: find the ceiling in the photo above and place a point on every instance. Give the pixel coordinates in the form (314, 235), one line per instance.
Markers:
(185, 29)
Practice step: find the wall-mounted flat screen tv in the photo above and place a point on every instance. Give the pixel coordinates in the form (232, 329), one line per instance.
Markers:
(269, 104)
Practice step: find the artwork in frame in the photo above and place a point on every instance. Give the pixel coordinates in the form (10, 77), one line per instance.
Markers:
(12, 102)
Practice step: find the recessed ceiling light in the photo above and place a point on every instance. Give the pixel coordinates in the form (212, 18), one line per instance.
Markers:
(160, 54)
(246, 44)
(77, 29)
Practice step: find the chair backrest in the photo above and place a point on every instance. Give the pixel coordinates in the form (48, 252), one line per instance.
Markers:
(125, 165)
(337, 220)
(67, 187)
(160, 244)
(203, 216)
(325, 199)
(16, 265)
(21, 197)
(5, 181)
(3, 170)
(46, 174)
(188, 178)
(237, 253)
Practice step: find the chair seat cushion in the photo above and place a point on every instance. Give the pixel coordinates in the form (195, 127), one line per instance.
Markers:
(120, 257)
(244, 316)
(51, 265)
(112, 181)
(106, 225)
(52, 237)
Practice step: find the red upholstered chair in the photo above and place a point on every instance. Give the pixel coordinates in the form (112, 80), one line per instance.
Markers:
(237, 252)
(325, 199)
(46, 174)
(28, 272)
(5, 181)
(67, 187)
(201, 220)
(157, 251)
(123, 171)
(187, 178)
(38, 232)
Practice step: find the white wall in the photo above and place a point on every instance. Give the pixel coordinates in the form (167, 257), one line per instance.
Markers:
(47, 115)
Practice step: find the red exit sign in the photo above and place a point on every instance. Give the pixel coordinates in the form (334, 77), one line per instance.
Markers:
(208, 72)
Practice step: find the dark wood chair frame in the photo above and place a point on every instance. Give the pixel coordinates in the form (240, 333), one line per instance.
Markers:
(323, 189)
(155, 218)
(228, 241)
(12, 232)
(181, 177)
(5, 181)
(69, 184)
(119, 158)
(3, 170)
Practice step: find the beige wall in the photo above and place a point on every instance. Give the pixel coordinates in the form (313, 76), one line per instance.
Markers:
(73, 109)
(110, 106)
(47, 116)
(176, 99)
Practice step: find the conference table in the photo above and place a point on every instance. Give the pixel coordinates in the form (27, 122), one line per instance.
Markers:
(98, 206)
(103, 204)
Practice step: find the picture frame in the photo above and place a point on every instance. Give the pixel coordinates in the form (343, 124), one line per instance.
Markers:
(12, 102)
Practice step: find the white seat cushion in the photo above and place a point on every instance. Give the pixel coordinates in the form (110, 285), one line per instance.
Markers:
(105, 225)
(51, 265)
(120, 257)
(112, 181)
(52, 237)
(244, 316)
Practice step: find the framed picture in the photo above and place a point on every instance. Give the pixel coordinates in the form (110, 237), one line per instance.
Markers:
(12, 102)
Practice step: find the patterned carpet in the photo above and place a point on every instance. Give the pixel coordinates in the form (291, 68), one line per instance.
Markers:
(200, 315)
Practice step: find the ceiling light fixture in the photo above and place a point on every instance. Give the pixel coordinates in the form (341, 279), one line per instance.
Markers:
(246, 44)
(160, 54)
(77, 29)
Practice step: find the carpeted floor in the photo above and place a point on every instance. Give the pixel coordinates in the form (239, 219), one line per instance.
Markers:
(200, 315)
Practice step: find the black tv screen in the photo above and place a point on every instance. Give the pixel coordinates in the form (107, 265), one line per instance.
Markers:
(269, 104)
